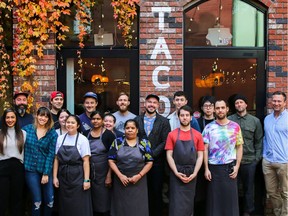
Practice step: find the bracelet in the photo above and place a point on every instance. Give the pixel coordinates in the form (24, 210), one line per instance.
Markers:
(140, 175)
(86, 180)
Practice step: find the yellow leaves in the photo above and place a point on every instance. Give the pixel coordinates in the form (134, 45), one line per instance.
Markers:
(125, 12)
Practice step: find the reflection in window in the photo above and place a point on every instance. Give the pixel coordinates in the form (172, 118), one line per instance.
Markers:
(223, 78)
(105, 76)
(214, 22)
(103, 30)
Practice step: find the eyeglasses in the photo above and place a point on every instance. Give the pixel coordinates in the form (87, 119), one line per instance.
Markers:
(206, 106)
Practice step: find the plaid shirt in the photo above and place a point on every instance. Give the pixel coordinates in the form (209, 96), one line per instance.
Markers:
(39, 154)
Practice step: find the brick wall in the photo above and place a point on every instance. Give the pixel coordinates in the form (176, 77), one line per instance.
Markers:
(162, 73)
(161, 50)
(277, 68)
(45, 74)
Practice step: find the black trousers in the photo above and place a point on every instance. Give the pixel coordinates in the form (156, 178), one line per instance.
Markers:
(155, 184)
(11, 187)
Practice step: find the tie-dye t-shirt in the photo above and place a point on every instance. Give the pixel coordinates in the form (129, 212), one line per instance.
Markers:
(222, 141)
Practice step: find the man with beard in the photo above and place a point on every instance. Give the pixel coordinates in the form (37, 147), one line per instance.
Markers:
(155, 128)
(252, 149)
(223, 153)
(21, 104)
(185, 148)
(90, 105)
(122, 115)
(57, 101)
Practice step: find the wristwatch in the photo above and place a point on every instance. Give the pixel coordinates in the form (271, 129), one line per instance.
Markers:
(86, 180)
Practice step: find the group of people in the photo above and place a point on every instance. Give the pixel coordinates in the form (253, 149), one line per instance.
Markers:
(114, 164)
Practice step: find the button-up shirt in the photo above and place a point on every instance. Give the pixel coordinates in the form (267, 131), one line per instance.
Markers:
(39, 153)
(252, 134)
(275, 144)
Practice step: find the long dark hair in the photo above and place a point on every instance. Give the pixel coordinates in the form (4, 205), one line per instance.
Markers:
(4, 131)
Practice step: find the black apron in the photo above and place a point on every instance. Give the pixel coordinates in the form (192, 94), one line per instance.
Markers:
(182, 194)
(73, 200)
(101, 195)
(133, 199)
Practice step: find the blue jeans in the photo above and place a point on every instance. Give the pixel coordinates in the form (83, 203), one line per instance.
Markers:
(40, 193)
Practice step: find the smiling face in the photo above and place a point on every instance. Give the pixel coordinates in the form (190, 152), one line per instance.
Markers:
(57, 103)
(123, 103)
(278, 103)
(10, 119)
(72, 125)
(109, 123)
(62, 118)
(90, 104)
(151, 105)
(42, 120)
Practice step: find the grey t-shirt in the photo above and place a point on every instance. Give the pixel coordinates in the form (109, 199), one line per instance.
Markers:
(121, 119)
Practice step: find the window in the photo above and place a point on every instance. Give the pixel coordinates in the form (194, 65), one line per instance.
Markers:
(222, 66)
(103, 31)
(224, 23)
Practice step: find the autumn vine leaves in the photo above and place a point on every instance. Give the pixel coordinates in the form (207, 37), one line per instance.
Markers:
(125, 11)
(38, 21)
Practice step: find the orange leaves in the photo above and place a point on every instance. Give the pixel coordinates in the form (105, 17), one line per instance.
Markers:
(125, 12)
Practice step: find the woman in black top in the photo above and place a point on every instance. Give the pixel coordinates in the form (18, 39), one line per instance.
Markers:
(100, 140)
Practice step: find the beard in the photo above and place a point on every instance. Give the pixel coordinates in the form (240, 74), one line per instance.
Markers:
(184, 124)
(221, 116)
(150, 112)
(21, 109)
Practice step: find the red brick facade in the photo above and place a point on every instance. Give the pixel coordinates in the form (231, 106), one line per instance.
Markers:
(153, 36)
(172, 66)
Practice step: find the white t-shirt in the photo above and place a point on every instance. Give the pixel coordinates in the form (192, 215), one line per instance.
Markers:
(82, 143)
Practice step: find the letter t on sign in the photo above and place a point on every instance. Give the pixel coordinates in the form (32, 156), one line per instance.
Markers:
(161, 11)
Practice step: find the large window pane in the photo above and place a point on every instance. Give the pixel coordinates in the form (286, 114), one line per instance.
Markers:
(223, 78)
(224, 19)
(103, 30)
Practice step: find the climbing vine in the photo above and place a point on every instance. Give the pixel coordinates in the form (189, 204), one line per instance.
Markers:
(125, 12)
(37, 21)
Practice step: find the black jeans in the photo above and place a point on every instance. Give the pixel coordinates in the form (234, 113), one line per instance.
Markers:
(11, 187)
(246, 175)
(155, 185)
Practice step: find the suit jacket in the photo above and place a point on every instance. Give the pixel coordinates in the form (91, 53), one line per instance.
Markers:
(157, 136)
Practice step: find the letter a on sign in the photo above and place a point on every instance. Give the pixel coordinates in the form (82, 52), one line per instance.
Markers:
(161, 47)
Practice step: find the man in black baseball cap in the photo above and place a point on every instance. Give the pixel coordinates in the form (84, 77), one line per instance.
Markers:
(155, 128)
(21, 105)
